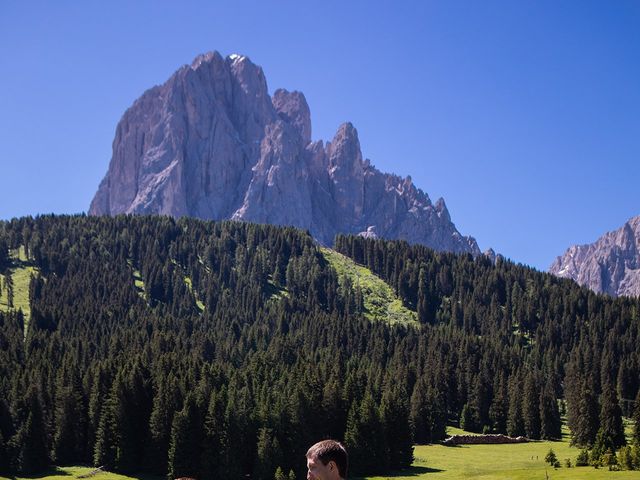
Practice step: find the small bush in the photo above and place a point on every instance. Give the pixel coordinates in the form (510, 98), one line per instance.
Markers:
(551, 458)
(567, 463)
(609, 459)
(625, 458)
(583, 458)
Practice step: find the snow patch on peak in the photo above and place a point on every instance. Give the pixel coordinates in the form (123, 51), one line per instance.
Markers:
(235, 57)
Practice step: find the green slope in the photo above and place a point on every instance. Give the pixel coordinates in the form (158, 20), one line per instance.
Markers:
(380, 301)
(20, 272)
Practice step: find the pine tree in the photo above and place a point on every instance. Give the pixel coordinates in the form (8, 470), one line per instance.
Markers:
(30, 441)
(106, 444)
(636, 420)
(466, 419)
(215, 446)
(160, 429)
(185, 442)
(551, 457)
(269, 454)
(365, 438)
(4, 455)
(67, 438)
(550, 421)
(499, 408)
(611, 419)
(279, 475)
(394, 415)
(587, 423)
(419, 414)
(515, 424)
(531, 407)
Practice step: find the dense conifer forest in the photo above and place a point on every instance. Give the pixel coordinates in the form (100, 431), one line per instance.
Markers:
(219, 350)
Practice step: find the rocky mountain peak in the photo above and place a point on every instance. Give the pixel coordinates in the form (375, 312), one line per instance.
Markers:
(292, 107)
(609, 265)
(212, 143)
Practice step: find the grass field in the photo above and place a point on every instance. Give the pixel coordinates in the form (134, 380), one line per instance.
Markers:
(20, 271)
(68, 473)
(521, 461)
(380, 301)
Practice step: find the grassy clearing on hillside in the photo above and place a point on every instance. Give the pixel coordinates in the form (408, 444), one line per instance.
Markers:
(380, 301)
(20, 271)
(189, 283)
(523, 461)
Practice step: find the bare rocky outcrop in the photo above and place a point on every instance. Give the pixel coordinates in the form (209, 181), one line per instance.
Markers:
(609, 265)
(212, 143)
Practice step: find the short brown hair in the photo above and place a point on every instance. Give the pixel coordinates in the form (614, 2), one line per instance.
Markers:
(328, 450)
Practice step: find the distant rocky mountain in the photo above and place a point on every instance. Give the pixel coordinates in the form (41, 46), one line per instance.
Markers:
(610, 265)
(212, 143)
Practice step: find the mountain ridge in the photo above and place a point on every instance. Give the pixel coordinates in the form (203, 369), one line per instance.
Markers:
(212, 143)
(610, 265)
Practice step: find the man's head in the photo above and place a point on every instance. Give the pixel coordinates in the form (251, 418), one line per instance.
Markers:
(327, 460)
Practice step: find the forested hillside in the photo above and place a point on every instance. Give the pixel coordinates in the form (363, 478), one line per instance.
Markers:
(217, 350)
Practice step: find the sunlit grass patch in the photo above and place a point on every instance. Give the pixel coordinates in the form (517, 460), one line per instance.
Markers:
(380, 301)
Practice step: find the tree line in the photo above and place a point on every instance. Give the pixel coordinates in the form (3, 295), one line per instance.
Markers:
(224, 349)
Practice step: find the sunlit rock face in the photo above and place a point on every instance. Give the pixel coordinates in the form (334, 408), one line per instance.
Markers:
(212, 143)
(610, 265)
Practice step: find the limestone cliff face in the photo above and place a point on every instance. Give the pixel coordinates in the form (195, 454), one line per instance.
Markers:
(212, 143)
(610, 265)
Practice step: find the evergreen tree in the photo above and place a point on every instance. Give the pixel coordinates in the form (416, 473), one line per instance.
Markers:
(215, 446)
(269, 454)
(160, 422)
(185, 443)
(636, 420)
(531, 407)
(68, 439)
(499, 408)
(419, 415)
(551, 457)
(4, 253)
(106, 443)
(30, 441)
(466, 419)
(279, 475)
(394, 416)
(4, 455)
(364, 438)
(550, 421)
(515, 423)
(587, 423)
(611, 419)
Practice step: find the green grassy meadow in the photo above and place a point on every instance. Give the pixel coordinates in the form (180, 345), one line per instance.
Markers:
(68, 473)
(380, 301)
(522, 461)
(20, 271)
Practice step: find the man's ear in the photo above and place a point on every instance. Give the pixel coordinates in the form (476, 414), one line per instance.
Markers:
(332, 465)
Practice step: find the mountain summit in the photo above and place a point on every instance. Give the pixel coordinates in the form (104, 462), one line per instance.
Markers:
(610, 265)
(212, 143)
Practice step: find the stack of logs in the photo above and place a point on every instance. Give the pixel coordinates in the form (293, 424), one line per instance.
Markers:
(482, 439)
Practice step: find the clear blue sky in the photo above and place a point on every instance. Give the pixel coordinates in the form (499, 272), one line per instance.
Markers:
(523, 115)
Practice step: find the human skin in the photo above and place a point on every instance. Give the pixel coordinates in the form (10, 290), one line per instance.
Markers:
(316, 470)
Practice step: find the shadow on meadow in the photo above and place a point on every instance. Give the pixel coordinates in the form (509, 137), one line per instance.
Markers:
(53, 471)
(415, 471)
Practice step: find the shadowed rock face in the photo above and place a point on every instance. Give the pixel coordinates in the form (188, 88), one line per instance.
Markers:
(610, 265)
(212, 143)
